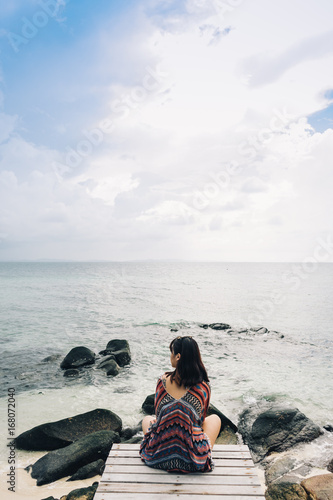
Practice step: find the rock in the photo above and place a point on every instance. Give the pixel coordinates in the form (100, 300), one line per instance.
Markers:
(49, 498)
(66, 461)
(219, 326)
(123, 357)
(330, 466)
(72, 372)
(50, 359)
(91, 470)
(148, 405)
(120, 350)
(112, 368)
(279, 468)
(54, 435)
(285, 491)
(259, 329)
(225, 421)
(105, 361)
(276, 429)
(227, 436)
(118, 345)
(82, 493)
(134, 439)
(328, 427)
(173, 329)
(78, 356)
(319, 487)
(129, 432)
(205, 326)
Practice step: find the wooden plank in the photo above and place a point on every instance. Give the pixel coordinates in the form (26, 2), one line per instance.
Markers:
(146, 471)
(127, 477)
(174, 488)
(166, 496)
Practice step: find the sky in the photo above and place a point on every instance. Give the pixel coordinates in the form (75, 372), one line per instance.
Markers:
(166, 129)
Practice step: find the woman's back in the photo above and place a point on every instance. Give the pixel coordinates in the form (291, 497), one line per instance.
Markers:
(176, 441)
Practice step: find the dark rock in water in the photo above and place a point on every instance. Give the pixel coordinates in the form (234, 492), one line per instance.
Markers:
(129, 432)
(276, 429)
(319, 487)
(330, 466)
(78, 356)
(148, 405)
(112, 368)
(110, 365)
(219, 326)
(54, 435)
(82, 493)
(120, 350)
(285, 491)
(91, 470)
(259, 329)
(118, 345)
(225, 421)
(203, 325)
(328, 427)
(65, 462)
(53, 357)
(49, 498)
(105, 360)
(123, 357)
(72, 372)
(173, 329)
(134, 439)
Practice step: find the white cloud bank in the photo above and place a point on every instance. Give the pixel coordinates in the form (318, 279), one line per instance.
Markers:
(209, 155)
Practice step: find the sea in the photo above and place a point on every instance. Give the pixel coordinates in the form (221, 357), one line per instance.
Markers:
(47, 308)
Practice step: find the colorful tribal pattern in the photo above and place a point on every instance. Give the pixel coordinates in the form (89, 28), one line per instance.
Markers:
(176, 442)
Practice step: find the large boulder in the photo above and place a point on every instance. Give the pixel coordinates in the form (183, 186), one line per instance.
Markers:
(120, 350)
(54, 435)
(319, 487)
(285, 491)
(66, 461)
(275, 429)
(78, 356)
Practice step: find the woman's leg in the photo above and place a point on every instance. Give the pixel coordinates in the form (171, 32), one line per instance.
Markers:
(146, 422)
(211, 427)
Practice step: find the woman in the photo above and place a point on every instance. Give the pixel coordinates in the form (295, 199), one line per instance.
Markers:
(181, 437)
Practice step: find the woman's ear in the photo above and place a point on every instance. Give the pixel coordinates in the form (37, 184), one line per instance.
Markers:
(178, 357)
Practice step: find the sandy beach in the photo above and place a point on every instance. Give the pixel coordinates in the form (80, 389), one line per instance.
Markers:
(26, 488)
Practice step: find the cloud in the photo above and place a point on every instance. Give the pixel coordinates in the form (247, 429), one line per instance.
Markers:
(163, 173)
(265, 69)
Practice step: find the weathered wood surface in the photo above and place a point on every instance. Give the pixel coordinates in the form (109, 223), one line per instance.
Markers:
(127, 477)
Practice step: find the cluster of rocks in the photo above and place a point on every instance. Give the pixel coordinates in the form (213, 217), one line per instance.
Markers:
(116, 355)
(255, 330)
(273, 435)
(78, 447)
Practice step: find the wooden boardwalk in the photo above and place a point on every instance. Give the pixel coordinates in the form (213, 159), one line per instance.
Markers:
(126, 477)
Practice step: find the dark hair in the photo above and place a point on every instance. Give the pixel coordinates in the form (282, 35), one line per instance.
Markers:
(190, 369)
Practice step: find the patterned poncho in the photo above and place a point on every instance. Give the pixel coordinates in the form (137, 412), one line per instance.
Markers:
(176, 441)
